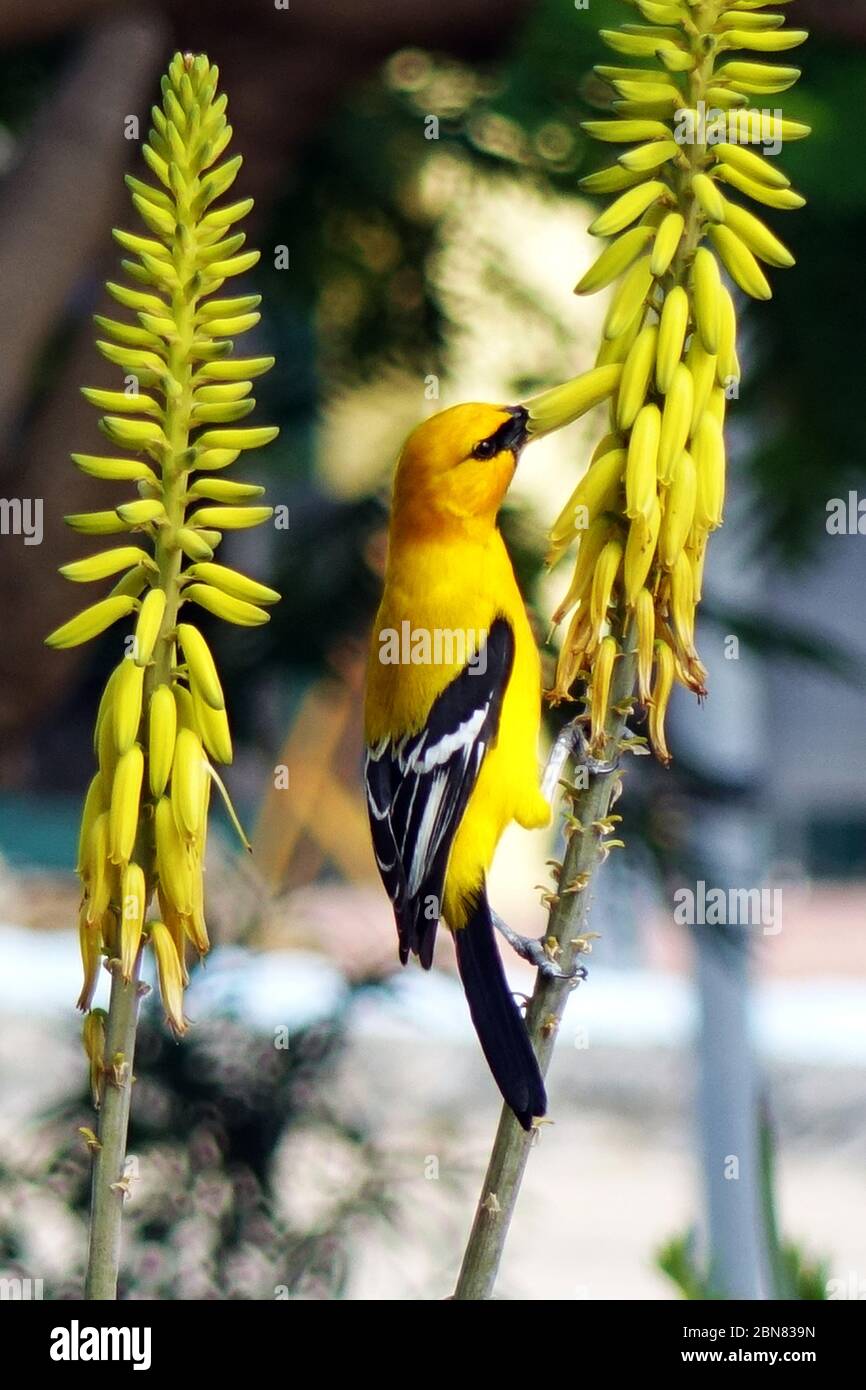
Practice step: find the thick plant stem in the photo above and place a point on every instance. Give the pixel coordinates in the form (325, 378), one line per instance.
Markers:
(567, 924)
(108, 1187)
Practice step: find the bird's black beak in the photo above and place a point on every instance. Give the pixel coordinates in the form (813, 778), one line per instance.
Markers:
(514, 434)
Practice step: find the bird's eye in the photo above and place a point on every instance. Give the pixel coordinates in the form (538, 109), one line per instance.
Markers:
(484, 450)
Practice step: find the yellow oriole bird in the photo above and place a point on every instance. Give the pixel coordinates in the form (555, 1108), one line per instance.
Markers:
(452, 737)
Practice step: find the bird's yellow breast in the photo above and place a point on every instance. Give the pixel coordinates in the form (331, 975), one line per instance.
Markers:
(441, 595)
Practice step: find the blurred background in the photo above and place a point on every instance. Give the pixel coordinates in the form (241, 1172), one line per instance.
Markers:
(322, 1131)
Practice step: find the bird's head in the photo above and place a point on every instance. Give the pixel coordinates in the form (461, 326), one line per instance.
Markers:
(457, 466)
(455, 469)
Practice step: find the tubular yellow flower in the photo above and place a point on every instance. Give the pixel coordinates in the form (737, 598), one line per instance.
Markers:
(126, 709)
(655, 488)
(144, 823)
(147, 628)
(170, 974)
(658, 704)
(162, 732)
(133, 905)
(90, 943)
(188, 779)
(602, 673)
(645, 623)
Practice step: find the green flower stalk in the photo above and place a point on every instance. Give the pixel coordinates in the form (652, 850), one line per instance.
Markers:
(654, 489)
(162, 721)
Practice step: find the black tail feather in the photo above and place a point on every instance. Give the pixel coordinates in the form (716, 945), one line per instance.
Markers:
(497, 1019)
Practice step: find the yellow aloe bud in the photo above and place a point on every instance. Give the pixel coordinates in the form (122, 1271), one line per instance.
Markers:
(144, 512)
(647, 157)
(222, 605)
(758, 238)
(708, 452)
(740, 263)
(107, 562)
(193, 544)
(661, 694)
(682, 600)
(180, 929)
(213, 726)
(666, 244)
(126, 707)
(672, 336)
(785, 199)
(147, 628)
(626, 133)
(94, 805)
(553, 409)
(679, 511)
(133, 905)
(676, 421)
(188, 778)
(629, 299)
(234, 583)
(576, 646)
(636, 375)
(97, 871)
(90, 944)
(170, 976)
(645, 623)
(231, 518)
(195, 926)
(708, 197)
(614, 260)
(134, 434)
(106, 748)
(602, 674)
(707, 291)
(173, 861)
(162, 730)
(592, 543)
(631, 205)
(96, 523)
(93, 1040)
(640, 550)
(702, 366)
(237, 369)
(612, 180)
(123, 813)
(90, 622)
(237, 439)
(603, 581)
(185, 706)
(222, 490)
(595, 493)
(201, 665)
(119, 400)
(754, 166)
(641, 467)
(614, 351)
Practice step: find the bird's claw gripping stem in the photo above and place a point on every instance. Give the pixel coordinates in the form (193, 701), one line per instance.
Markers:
(531, 949)
(571, 742)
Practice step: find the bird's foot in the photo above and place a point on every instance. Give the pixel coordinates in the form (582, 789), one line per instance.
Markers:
(579, 747)
(537, 952)
(571, 742)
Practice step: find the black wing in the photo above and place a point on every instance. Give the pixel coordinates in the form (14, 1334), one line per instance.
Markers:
(418, 787)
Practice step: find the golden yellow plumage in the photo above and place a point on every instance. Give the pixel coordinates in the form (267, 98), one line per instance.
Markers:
(452, 735)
